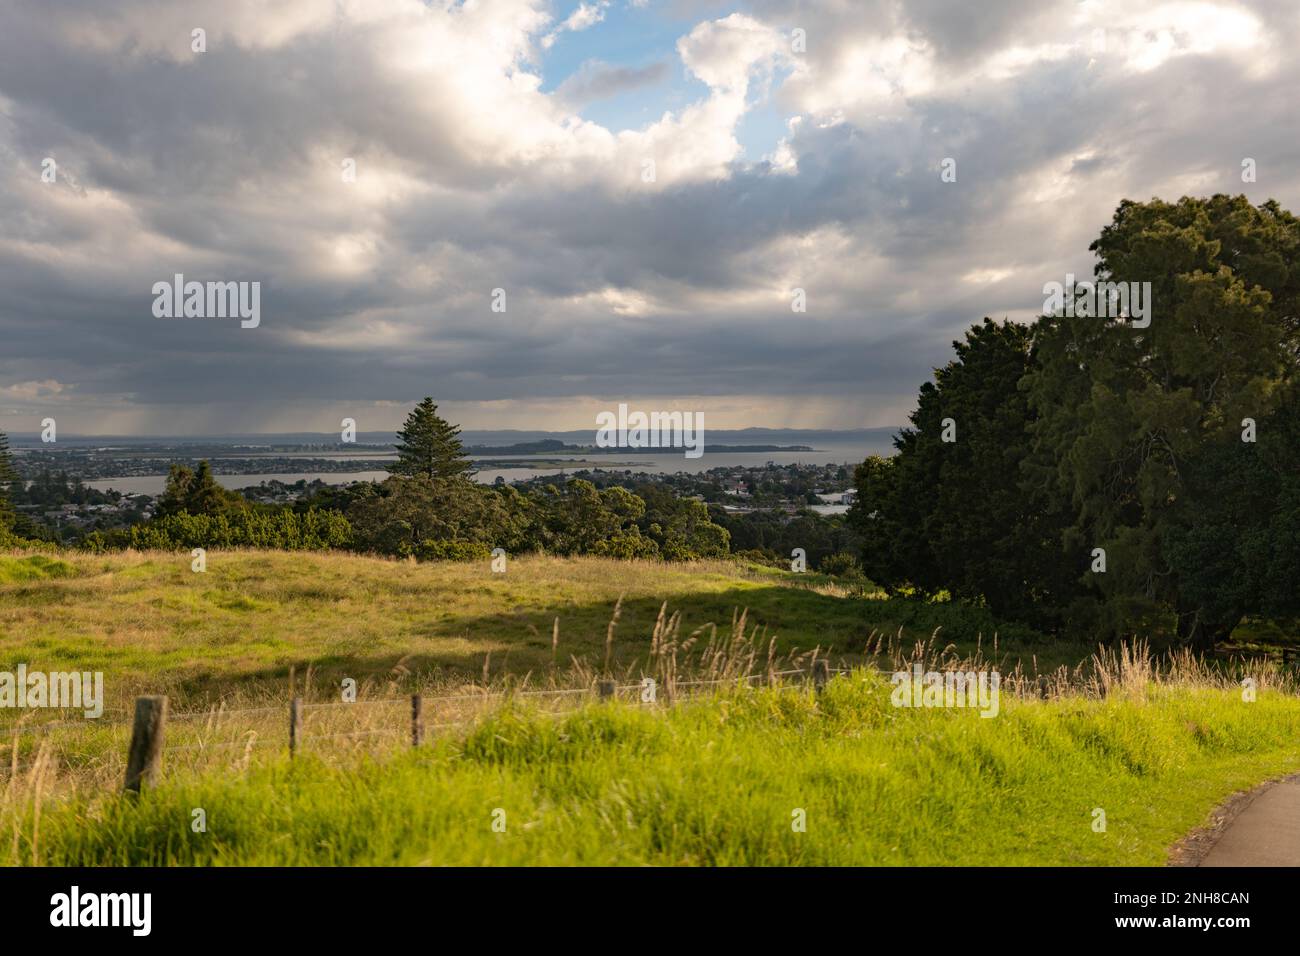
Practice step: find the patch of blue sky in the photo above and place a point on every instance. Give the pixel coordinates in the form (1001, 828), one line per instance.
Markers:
(643, 40)
(628, 36)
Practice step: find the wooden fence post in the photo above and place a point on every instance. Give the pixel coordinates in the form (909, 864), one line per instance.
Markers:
(606, 689)
(143, 758)
(295, 718)
(417, 720)
(821, 674)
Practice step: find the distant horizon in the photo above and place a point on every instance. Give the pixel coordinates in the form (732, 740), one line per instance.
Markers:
(468, 436)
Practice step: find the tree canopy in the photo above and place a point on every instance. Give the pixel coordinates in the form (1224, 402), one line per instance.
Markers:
(1171, 449)
(951, 515)
(196, 492)
(1143, 429)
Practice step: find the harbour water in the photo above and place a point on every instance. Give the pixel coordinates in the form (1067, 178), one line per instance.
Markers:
(636, 460)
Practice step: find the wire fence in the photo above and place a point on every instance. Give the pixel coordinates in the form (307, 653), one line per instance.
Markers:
(300, 723)
(304, 722)
(218, 713)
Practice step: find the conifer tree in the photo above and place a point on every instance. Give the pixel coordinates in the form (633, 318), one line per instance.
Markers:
(429, 446)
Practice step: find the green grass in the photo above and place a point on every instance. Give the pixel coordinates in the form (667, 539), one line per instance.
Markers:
(36, 567)
(716, 782)
(151, 624)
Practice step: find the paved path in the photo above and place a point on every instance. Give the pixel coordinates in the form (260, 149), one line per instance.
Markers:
(1266, 832)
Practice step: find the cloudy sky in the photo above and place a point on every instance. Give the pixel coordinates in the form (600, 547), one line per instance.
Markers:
(506, 144)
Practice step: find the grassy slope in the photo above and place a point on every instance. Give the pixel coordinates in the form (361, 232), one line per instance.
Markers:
(148, 622)
(706, 782)
(716, 782)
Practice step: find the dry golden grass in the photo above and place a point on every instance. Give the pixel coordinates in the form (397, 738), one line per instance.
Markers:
(152, 625)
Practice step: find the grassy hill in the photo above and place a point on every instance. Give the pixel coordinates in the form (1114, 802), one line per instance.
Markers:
(150, 623)
(716, 779)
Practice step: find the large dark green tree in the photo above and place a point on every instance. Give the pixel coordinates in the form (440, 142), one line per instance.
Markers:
(429, 446)
(951, 515)
(1141, 429)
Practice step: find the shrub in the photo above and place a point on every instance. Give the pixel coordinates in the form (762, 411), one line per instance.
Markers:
(452, 551)
(280, 530)
(841, 564)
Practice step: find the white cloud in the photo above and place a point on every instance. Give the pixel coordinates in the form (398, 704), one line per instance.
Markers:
(584, 15)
